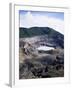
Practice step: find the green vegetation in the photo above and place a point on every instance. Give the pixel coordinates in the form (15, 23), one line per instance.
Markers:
(36, 31)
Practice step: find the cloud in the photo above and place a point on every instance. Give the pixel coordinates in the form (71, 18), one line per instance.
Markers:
(30, 20)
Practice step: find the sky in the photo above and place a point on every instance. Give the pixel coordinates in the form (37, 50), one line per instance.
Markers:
(53, 20)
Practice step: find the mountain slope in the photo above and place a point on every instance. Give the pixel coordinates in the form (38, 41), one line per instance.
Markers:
(35, 31)
(48, 34)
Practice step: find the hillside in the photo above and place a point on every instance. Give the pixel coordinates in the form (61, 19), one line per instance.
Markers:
(45, 34)
(36, 31)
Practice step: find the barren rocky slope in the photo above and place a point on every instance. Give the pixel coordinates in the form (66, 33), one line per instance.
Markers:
(35, 63)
